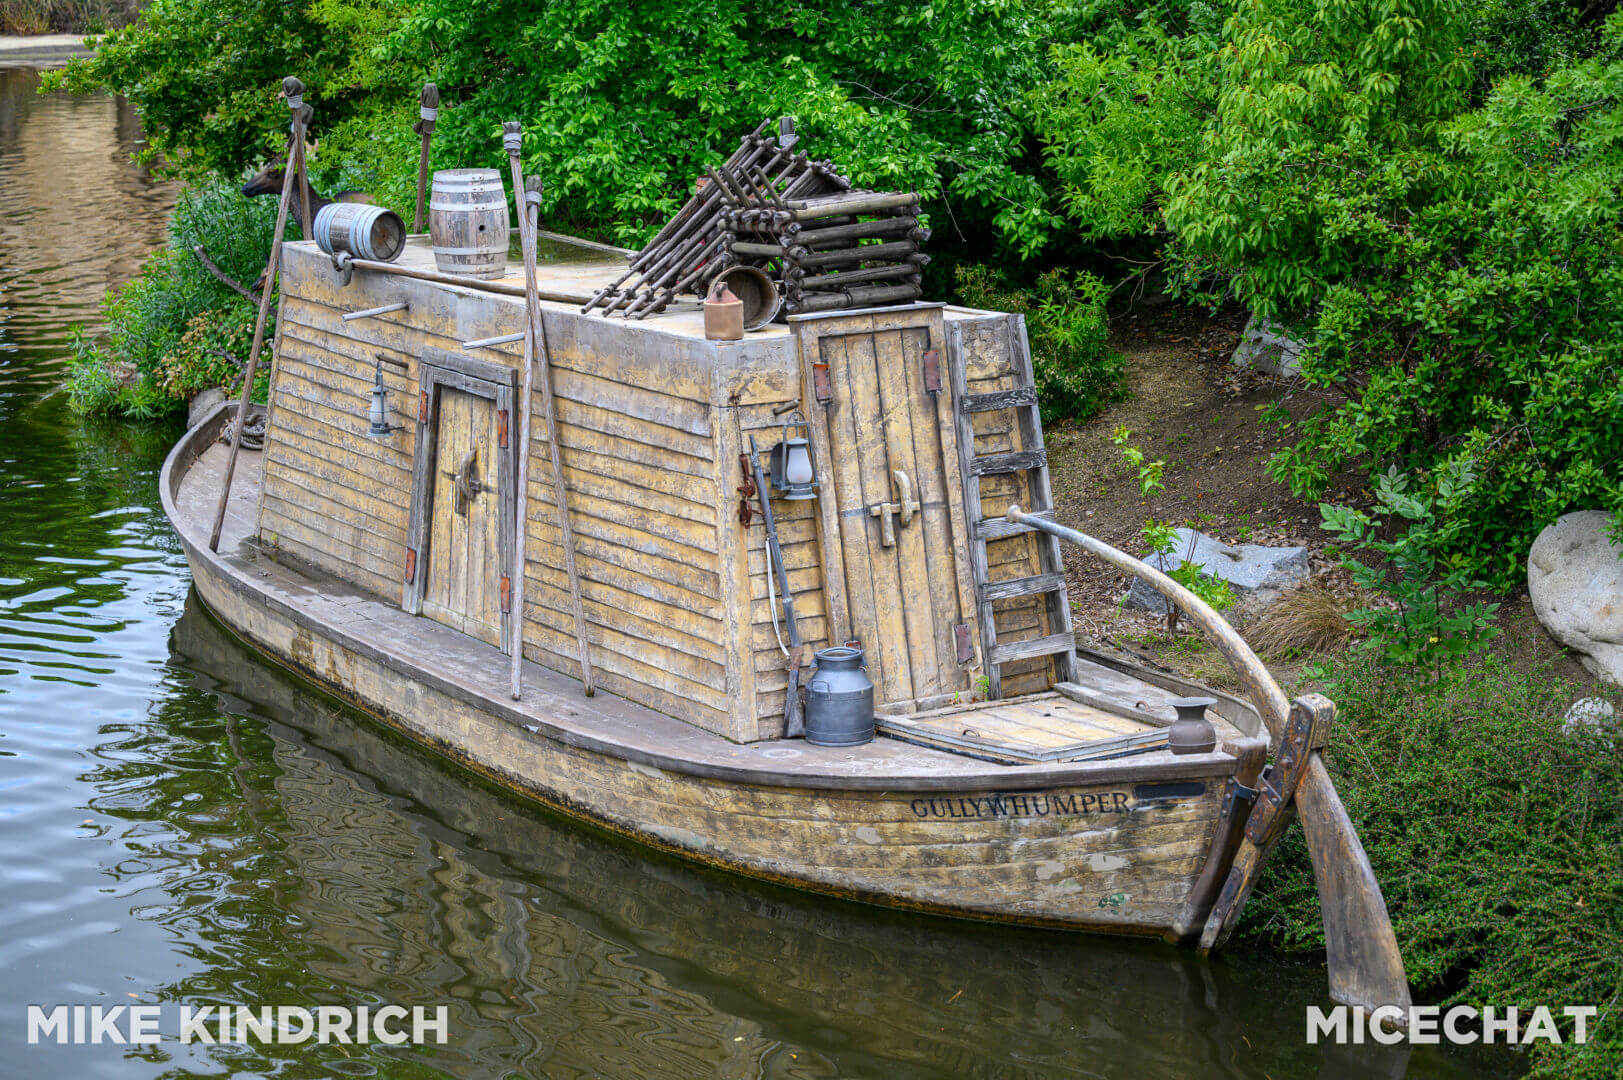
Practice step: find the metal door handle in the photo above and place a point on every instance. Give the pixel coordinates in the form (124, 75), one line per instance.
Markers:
(906, 503)
(467, 485)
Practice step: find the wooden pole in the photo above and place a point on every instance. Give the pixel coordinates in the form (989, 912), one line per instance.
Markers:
(428, 112)
(535, 356)
(252, 369)
(293, 89)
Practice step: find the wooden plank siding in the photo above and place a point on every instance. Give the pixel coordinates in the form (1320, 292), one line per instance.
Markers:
(652, 420)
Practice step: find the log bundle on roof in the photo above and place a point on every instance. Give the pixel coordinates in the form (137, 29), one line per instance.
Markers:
(826, 246)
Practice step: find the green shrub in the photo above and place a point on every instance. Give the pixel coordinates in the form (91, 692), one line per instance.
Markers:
(143, 367)
(1426, 620)
(1077, 373)
(1497, 841)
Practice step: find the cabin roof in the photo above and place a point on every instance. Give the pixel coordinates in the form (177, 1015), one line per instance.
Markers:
(572, 271)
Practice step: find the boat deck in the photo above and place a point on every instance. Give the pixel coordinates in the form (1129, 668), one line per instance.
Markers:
(552, 704)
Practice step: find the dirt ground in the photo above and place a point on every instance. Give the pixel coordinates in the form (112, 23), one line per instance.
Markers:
(1188, 406)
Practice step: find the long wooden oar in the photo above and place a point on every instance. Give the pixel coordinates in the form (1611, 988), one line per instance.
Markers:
(1365, 967)
(293, 89)
(427, 112)
(535, 355)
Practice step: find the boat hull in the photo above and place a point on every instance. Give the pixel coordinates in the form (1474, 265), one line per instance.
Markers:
(1135, 849)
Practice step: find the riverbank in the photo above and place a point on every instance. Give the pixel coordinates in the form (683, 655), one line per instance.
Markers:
(1495, 834)
(41, 50)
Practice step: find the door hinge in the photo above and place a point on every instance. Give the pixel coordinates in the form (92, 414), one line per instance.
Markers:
(507, 594)
(501, 428)
(411, 565)
(422, 408)
(932, 371)
(822, 382)
(966, 648)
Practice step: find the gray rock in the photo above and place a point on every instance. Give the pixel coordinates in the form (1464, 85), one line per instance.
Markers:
(1268, 348)
(202, 403)
(1575, 580)
(1589, 714)
(1257, 574)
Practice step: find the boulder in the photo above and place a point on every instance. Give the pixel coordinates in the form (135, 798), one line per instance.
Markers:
(1590, 714)
(1258, 575)
(1268, 348)
(202, 403)
(1575, 580)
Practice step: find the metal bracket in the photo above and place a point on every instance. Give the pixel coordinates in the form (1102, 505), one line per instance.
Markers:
(966, 648)
(932, 371)
(1236, 797)
(1305, 732)
(411, 565)
(822, 382)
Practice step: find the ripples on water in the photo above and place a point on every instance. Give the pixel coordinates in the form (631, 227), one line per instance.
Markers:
(183, 823)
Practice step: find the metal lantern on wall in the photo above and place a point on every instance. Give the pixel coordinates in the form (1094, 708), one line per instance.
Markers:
(379, 413)
(790, 466)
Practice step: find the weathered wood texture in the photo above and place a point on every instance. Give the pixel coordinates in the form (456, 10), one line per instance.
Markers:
(987, 350)
(1114, 846)
(652, 419)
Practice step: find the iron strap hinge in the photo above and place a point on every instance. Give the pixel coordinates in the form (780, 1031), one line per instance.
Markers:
(411, 565)
(507, 594)
(822, 382)
(501, 428)
(966, 648)
(422, 408)
(1236, 798)
(932, 371)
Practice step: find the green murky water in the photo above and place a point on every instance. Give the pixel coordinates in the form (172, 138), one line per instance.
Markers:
(184, 824)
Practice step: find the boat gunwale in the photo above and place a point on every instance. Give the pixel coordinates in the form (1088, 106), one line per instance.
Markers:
(816, 775)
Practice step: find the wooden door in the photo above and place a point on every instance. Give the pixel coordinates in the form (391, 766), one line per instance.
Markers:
(892, 500)
(462, 580)
(460, 536)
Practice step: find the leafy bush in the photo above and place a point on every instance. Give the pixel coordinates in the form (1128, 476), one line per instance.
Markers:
(1447, 246)
(161, 325)
(1426, 622)
(1077, 373)
(1496, 839)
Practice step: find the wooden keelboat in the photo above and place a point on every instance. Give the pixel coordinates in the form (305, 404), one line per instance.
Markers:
(1015, 778)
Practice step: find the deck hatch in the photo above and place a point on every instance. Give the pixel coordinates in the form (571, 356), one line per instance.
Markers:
(1027, 730)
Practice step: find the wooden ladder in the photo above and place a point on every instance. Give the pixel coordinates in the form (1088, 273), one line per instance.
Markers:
(1032, 460)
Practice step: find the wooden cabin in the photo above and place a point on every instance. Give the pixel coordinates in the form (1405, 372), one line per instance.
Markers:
(897, 551)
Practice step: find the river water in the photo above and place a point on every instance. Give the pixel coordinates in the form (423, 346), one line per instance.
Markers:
(184, 824)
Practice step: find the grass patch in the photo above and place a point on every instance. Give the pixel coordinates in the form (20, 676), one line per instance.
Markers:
(62, 16)
(1498, 842)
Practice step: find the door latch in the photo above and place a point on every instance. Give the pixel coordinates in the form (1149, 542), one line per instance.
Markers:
(905, 507)
(467, 484)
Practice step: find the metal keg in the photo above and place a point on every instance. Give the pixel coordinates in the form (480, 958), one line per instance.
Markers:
(365, 231)
(468, 222)
(839, 699)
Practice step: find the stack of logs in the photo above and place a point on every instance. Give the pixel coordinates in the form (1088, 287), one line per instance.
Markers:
(691, 249)
(821, 245)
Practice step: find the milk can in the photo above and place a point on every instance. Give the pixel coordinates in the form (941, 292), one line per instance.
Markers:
(839, 699)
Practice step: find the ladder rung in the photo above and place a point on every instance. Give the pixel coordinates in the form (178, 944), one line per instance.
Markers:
(1001, 399)
(1014, 461)
(1002, 528)
(1025, 586)
(1043, 646)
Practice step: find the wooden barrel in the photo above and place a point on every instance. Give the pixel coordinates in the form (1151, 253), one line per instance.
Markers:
(370, 232)
(467, 220)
